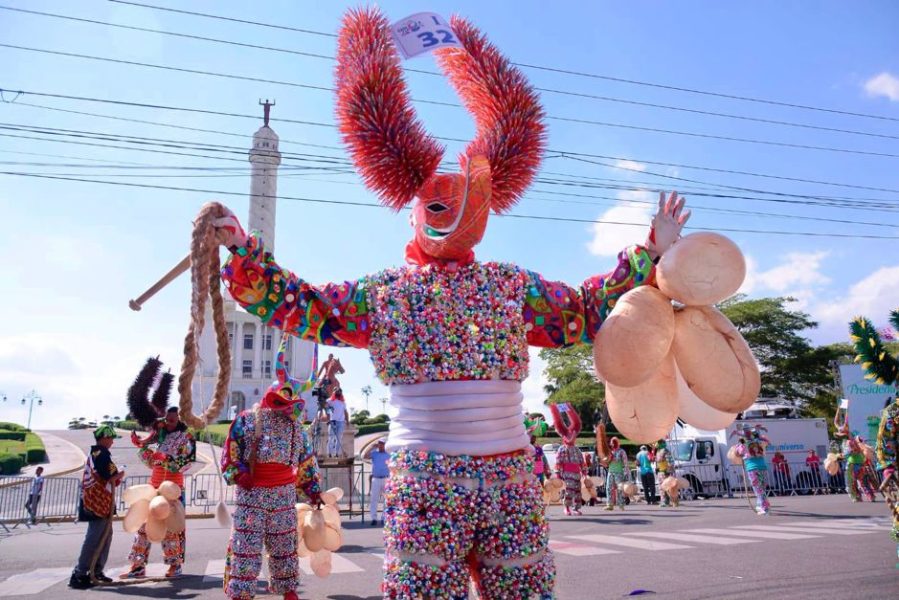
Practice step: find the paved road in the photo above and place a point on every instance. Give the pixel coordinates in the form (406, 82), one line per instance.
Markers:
(810, 548)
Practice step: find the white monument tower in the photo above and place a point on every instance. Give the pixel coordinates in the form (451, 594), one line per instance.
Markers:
(265, 158)
(253, 345)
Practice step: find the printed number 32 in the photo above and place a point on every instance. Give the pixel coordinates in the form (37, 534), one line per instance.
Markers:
(428, 38)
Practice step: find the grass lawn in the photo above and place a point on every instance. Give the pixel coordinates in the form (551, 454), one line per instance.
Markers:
(12, 447)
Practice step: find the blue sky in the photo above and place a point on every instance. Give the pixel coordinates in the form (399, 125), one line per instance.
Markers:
(75, 252)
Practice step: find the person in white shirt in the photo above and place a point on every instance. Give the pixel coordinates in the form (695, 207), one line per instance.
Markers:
(337, 408)
(379, 474)
(34, 496)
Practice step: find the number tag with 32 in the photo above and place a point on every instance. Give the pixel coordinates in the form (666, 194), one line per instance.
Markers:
(422, 32)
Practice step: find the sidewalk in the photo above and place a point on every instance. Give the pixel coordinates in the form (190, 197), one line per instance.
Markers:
(63, 457)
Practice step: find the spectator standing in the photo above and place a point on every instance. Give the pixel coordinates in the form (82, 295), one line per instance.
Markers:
(337, 423)
(813, 464)
(97, 506)
(781, 473)
(34, 496)
(647, 477)
(379, 474)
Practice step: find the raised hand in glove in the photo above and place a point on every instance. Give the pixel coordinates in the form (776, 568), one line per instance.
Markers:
(667, 224)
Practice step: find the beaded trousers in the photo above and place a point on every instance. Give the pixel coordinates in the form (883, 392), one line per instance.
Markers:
(264, 516)
(451, 521)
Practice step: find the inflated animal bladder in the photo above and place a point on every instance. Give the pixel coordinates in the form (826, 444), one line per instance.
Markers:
(692, 410)
(701, 269)
(635, 337)
(645, 413)
(715, 360)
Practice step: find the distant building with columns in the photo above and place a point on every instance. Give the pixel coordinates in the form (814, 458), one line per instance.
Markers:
(253, 345)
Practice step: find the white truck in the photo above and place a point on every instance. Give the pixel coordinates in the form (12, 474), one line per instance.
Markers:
(701, 456)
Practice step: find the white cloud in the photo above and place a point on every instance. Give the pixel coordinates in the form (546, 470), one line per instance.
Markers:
(884, 84)
(610, 237)
(873, 297)
(752, 276)
(799, 269)
(630, 165)
(798, 275)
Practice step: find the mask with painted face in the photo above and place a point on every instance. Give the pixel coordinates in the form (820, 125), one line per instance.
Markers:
(398, 160)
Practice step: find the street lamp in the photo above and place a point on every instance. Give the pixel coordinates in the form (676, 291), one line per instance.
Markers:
(30, 398)
(366, 391)
(384, 406)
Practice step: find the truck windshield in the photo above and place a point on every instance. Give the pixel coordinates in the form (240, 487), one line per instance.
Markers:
(682, 450)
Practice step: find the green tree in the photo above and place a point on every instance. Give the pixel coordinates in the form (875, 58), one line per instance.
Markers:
(791, 368)
(571, 379)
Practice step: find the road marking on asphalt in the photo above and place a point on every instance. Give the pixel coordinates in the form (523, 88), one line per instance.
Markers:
(33, 582)
(339, 564)
(215, 570)
(871, 523)
(689, 537)
(629, 542)
(799, 529)
(579, 549)
(769, 535)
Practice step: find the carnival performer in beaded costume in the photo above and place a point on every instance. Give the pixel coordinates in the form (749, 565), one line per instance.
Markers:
(447, 333)
(751, 448)
(169, 451)
(570, 465)
(617, 473)
(881, 366)
(268, 456)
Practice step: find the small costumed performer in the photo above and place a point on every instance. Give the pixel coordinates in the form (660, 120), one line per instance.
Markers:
(268, 456)
(169, 451)
(857, 480)
(751, 449)
(881, 366)
(663, 468)
(447, 333)
(570, 465)
(617, 473)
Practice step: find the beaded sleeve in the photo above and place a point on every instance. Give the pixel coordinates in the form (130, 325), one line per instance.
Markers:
(887, 447)
(334, 314)
(308, 476)
(556, 314)
(234, 451)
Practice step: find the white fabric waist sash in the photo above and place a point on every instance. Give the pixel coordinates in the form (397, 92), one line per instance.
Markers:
(472, 418)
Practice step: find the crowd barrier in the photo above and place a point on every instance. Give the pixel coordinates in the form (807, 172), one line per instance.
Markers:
(202, 493)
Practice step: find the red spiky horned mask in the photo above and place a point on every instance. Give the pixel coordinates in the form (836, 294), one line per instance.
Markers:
(398, 160)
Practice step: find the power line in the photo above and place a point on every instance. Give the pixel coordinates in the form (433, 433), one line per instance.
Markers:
(343, 162)
(233, 20)
(134, 63)
(368, 204)
(553, 69)
(570, 154)
(584, 95)
(451, 104)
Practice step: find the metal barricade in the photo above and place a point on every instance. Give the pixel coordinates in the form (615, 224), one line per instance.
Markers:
(206, 490)
(59, 498)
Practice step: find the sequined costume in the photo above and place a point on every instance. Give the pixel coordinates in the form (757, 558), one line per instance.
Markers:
(570, 468)
(268, 456)
(887, 450)
(751, 449)
(617, 473)
(448, 334)
(170, 455)
(858, 481)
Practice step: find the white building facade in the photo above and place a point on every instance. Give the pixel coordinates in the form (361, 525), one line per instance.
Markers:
(253, 345)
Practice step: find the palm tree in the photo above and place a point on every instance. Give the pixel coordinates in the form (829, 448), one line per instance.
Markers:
(366, 391)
